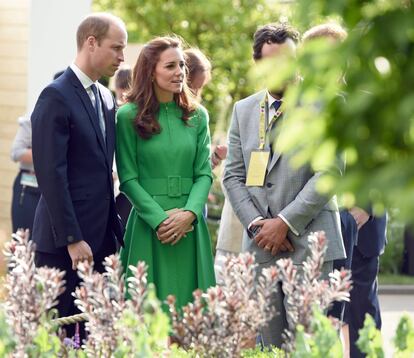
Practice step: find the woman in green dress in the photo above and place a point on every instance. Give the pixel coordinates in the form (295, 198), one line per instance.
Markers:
(163, 151)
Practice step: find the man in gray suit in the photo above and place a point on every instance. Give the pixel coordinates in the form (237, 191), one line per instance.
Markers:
(284, 207)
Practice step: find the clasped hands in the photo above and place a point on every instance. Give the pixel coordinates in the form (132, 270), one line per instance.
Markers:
(273, 236)
(173, 229)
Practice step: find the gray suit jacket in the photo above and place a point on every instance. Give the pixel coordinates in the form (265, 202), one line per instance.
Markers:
(286, 191)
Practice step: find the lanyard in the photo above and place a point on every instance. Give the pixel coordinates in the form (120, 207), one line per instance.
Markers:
(264, 115)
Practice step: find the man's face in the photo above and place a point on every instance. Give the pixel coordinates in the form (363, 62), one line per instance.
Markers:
(107, 56)
(286, 49)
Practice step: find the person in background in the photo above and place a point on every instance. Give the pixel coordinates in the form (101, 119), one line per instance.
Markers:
(163, 160)
(364, 237)
(199, 71)
(122, 86)
(26, 193)
(335, 33)
(199, 75)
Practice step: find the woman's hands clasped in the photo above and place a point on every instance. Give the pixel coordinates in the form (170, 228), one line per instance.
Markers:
(173, 229)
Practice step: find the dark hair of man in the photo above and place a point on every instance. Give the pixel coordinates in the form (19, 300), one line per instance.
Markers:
(196, 63)
(123, 78)
(142, 88)
(96, 25)
(272, 33)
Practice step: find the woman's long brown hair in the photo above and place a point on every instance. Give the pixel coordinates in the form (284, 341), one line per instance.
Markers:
(142, 89)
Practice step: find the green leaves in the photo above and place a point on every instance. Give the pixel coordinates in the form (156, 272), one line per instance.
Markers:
(404, 339)
(370, 340)
(323, 342)
(7, 344)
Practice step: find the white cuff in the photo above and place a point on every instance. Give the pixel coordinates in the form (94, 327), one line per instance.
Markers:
(288, 224)
(256, 219)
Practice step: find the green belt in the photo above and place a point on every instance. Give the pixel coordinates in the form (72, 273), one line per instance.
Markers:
(173, 186)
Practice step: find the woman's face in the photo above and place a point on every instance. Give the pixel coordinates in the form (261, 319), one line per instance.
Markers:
(169, 73)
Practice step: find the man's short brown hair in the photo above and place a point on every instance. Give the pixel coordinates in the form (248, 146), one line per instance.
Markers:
(272, 33)
(96, 25)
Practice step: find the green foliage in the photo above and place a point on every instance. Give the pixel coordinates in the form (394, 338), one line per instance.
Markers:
(222, 29)
(392, 259)
(46, 343)
(323, 342)
(144, 338)
(404, 339)
(370, 118)
(370, 340)
(7, 343)
(393, 279)
(257, 352)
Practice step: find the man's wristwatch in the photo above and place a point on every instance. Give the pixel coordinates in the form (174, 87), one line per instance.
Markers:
(253, 231)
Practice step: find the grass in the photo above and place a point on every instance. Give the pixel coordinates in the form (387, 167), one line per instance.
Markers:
(395, 279)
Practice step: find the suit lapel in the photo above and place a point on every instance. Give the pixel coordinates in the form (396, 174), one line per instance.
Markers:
(86, 101)
(276, 154)
(109, 124)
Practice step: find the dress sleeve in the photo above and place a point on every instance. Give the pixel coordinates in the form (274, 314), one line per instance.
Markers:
(127, 163)
(201, 167)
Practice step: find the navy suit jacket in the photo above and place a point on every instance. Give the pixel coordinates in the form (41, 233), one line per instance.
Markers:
(372, 236)
(73, 165)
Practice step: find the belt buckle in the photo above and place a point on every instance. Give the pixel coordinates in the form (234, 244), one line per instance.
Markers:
(174, 186)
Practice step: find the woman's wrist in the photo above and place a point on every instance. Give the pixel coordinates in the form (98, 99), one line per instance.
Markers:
(191, 215)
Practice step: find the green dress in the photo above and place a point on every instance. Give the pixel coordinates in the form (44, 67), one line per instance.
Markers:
(170, 170)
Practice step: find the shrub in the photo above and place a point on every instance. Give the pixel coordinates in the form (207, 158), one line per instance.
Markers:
(221, 321)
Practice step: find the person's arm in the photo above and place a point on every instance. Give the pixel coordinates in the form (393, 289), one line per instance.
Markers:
(305, 207)
(234, 177)
(50, 140)
(21, 150)
(201, 167)
(127, 163)
(360, 216)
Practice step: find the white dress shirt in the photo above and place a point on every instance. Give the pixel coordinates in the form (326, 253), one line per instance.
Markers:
(87, 83)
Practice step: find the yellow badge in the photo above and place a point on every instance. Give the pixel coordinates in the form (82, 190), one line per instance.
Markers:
(257, 168)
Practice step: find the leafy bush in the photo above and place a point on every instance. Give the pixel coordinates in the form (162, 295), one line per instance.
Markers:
(221, 321)
(404, 339)
(218, 323)
(322, 339)
(370, 340)
(305, 290)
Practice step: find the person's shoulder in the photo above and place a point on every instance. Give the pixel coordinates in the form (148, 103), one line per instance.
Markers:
(127, 110)
(24, 121)
(255, 97)
(200, 116)
(201, 110)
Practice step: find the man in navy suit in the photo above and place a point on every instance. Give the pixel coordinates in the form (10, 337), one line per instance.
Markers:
(73, 134)
(370, 244)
